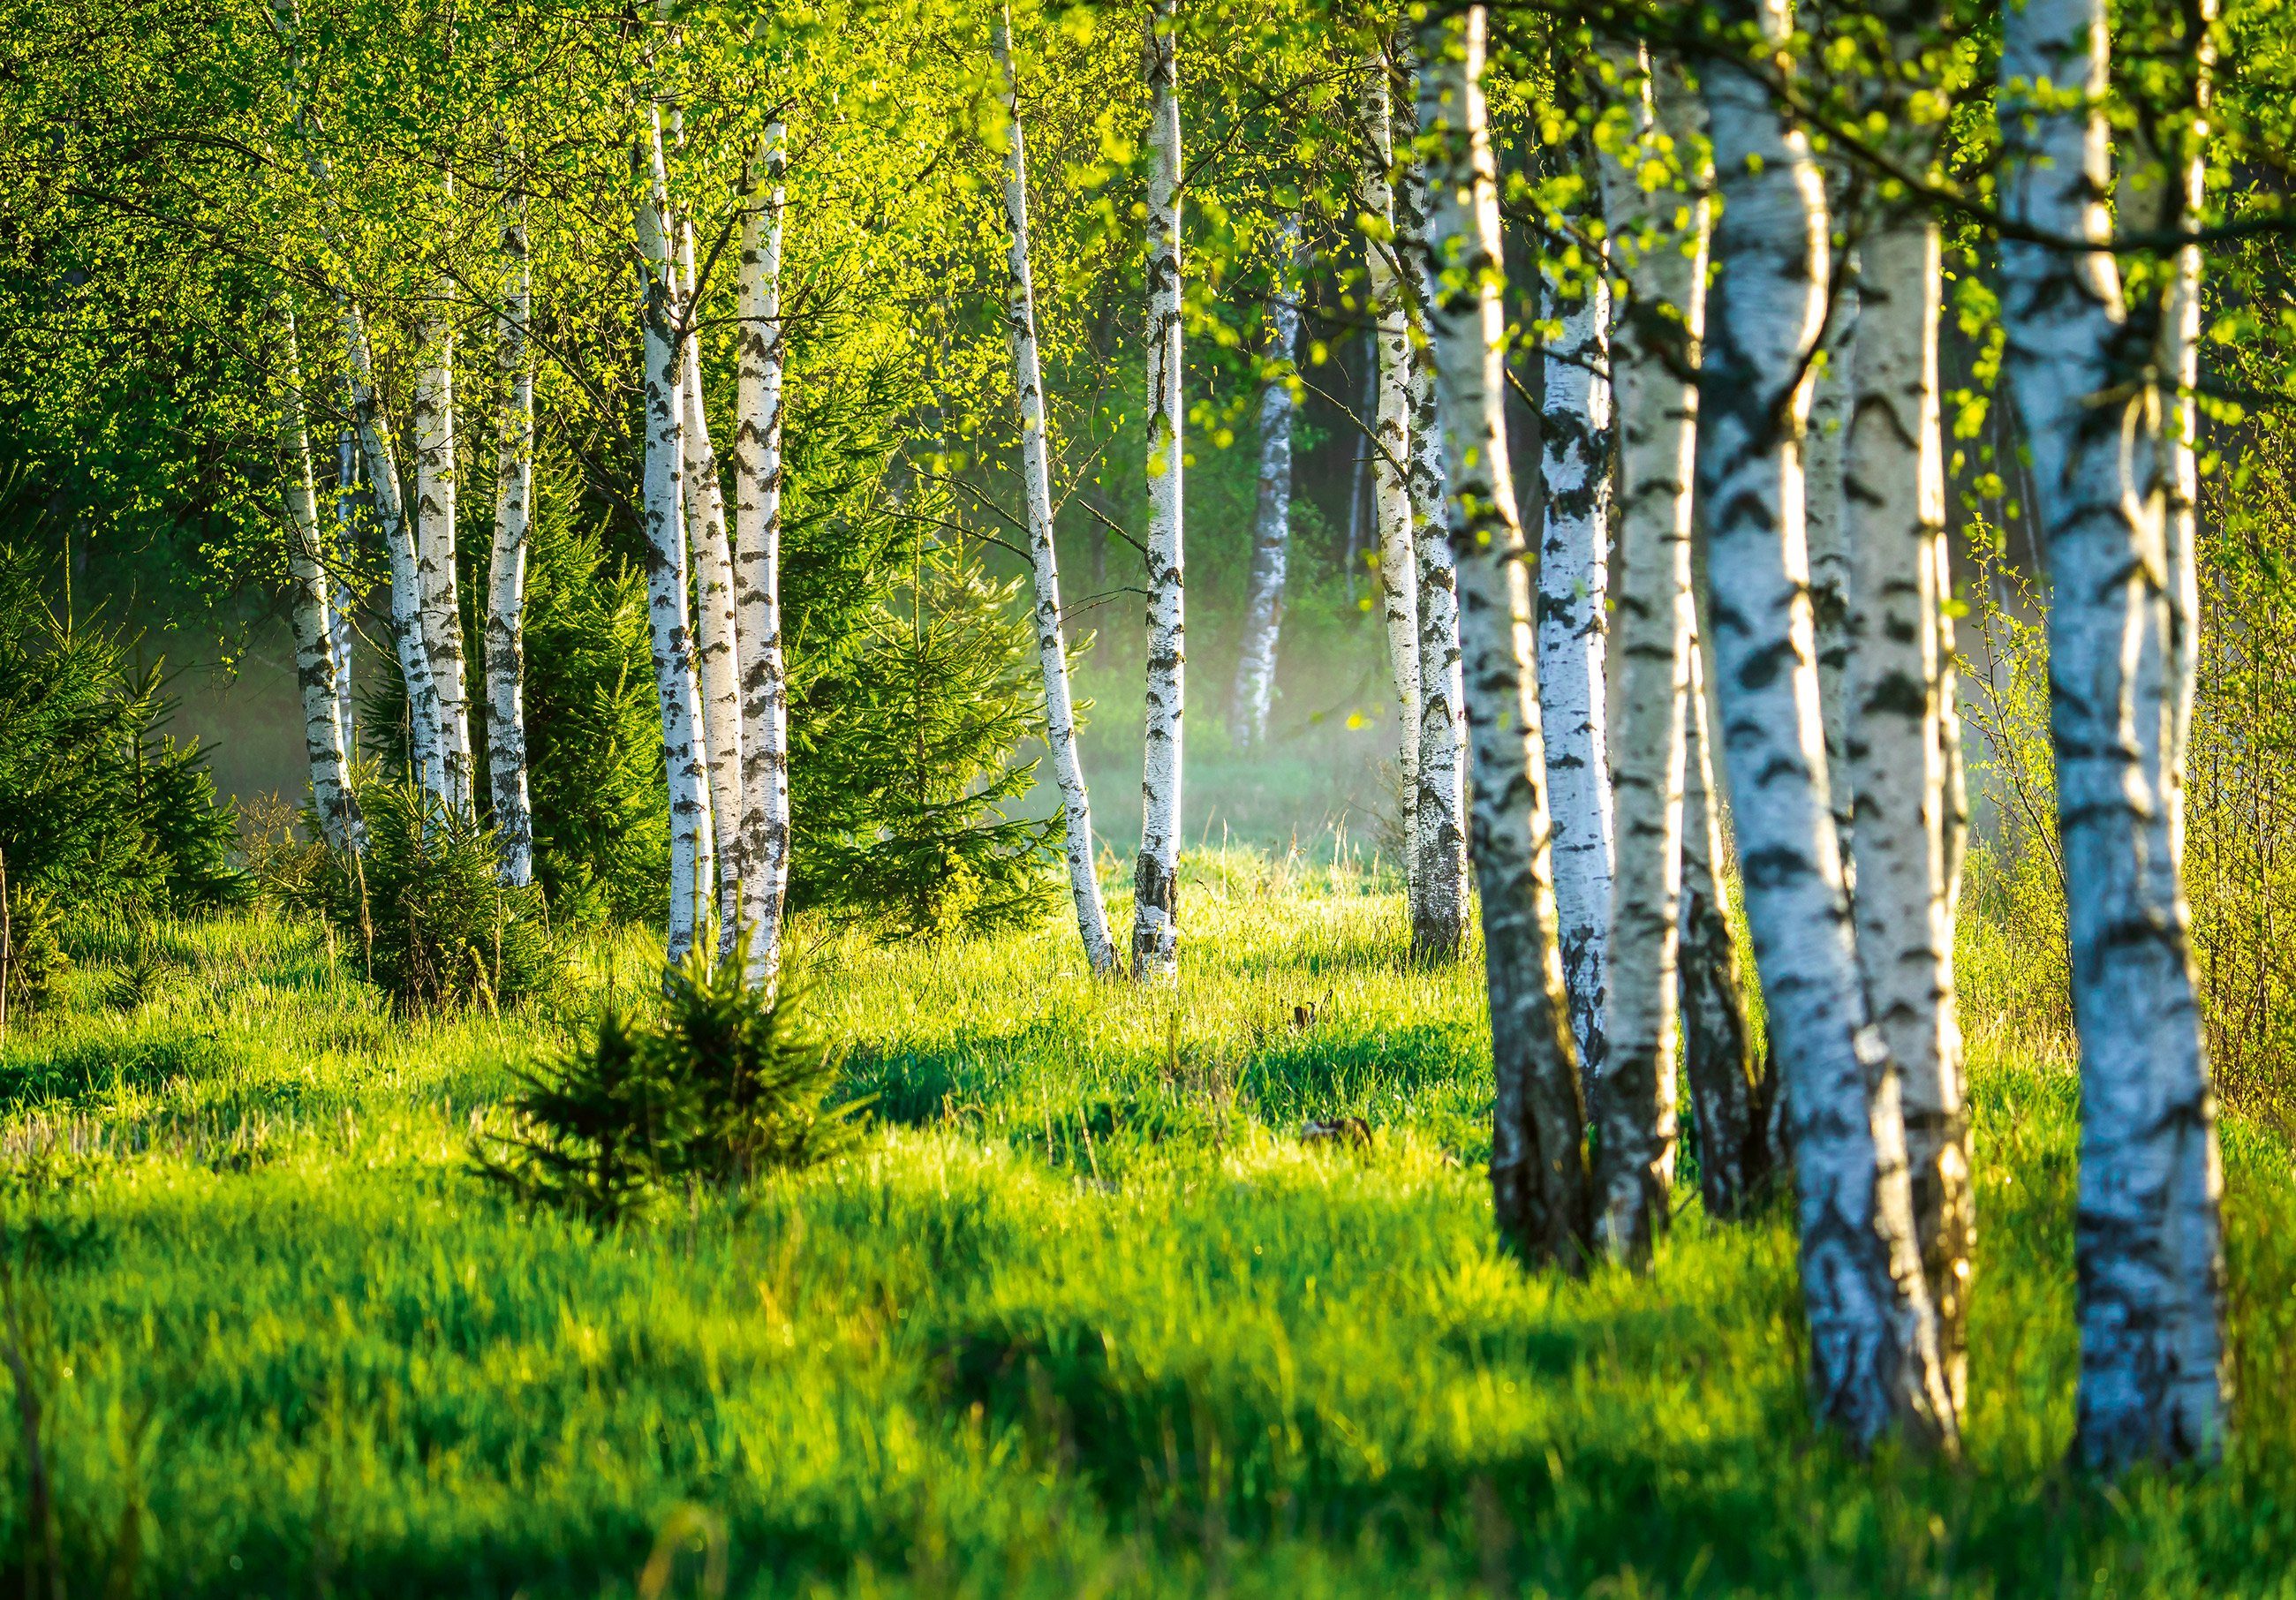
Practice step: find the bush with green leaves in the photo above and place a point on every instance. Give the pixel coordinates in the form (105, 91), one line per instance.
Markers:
(424, 912)
(722, 1084)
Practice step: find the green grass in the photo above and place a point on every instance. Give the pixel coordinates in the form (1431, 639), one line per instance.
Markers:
(1085, 1318)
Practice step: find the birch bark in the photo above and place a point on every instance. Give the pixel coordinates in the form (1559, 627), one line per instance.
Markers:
(1657, 231)
(1155, 917)
(1271, 539)
(1826, 485)
(343, 600)
(1051, 646)
(1538, 1163)
(1872, 1336)
(1397, 209)
(756, 565)
(505, 662)
(1574, 578)
(676, 678)
(310, 616)
(436, 475)
(719, 651)
(425, 750)
(2148, 1244)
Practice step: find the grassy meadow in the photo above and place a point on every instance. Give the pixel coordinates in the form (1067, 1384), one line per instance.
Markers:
(1085, 1317)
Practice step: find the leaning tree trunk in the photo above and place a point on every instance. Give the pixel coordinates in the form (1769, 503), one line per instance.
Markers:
(756, 567)
(310, 616)
(1271, 539)
(1658, 242)
(1437, 812)
(506, 773)
(1400, 227)
(1538, 1161)
(1895, 689)
(1035, 467)
(1730, 1092)
(720, 650)
(1155, 914)
(423, 746)
(1574, 578)
(2148, 1244)
(436, 475)
(1872, 1336)
(676, 678)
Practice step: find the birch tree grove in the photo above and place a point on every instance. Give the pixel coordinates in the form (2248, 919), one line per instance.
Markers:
(1539, 1180)
(718, 658)
(1156, 883)
(1574, 579)
(1035, 468)
(1271, 541)
(505, 662)
(756, 465)
(1872, 1333)
(1657, 238)
(2148, 1244)
(310, 616)
(437, 478)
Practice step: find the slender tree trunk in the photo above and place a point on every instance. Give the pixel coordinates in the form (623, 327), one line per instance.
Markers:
(1895, 686)
(756, 567)
(1400, 212)
(1035, 465)
(344, 601)
(2148, 1242)
(315, 651)
(1538, 1161)
(1155, 917)
(1652, 362)
(1832, 391)
(436, 475)
(1271, 542)
(720, 650)
(675, 678)
(1730, 1094)
(1574, 577)
(506, 772)
(1872, 1335)
(425, 750)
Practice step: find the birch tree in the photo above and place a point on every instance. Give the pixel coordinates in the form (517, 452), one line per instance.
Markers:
(1397, 228)
(1656, 229)
(1831, 393)
(2148, 1244)
(757, 465)
(1574, 577)
(436, 481)
(341, 598)
(1036, 469)
(310, 614)
(1155, 893)
(718, 653)
(505, 662)
(1538, 1165)
(675, 678)
(1271, 538)
(1874, 1364)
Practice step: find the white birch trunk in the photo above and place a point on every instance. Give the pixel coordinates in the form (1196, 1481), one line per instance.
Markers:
(1155, 917)
(676, 678)
(1036, 466)
(719, 648)
(2148, 1242)
(1538, 1163)
(1399, 211)
(1826, 457)
(311, 613)
(1574, 578)
(756, 567)
(1872, 1336)
(436, 475)
(425, 750)
(1658, 243)
(343, 600)
(1271, 539)
(506, 663)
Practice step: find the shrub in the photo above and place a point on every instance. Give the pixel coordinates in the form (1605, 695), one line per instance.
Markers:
(423, 908)
(724, 1083)
(33, 951)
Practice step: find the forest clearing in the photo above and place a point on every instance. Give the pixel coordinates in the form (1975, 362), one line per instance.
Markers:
(1193, 796)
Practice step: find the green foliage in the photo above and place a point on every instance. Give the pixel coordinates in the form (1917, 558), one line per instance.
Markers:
(723, 1083)
(431, 923)
(97, 808)
(33, 950)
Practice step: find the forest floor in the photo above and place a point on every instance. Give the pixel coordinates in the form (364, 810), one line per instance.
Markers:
(1085, 1317)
